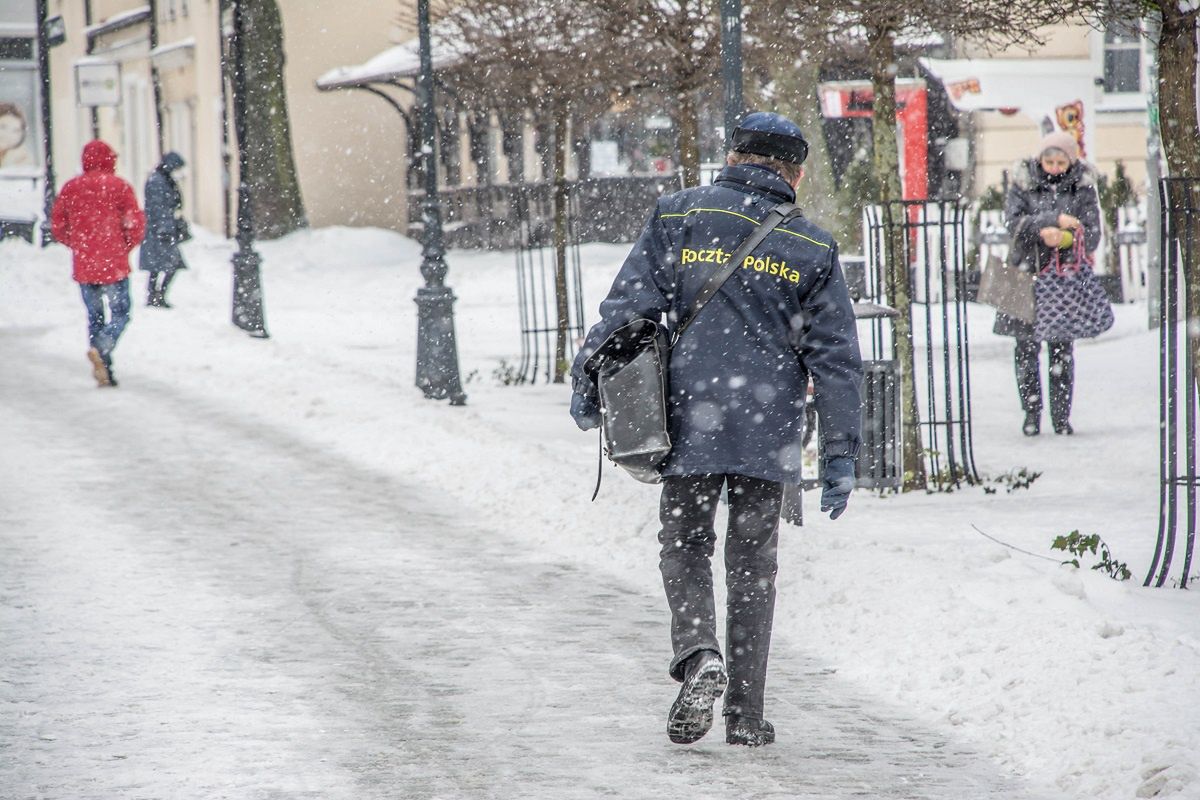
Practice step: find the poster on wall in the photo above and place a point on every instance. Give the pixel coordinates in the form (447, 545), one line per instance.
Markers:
(19, 139)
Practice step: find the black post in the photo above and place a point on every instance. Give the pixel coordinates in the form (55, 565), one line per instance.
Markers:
(93, 112)
(437, 353)
(155, 79)
(731, 64)
(247, 276)
(43, 57)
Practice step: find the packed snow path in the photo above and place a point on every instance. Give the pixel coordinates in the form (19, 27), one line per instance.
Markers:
(192, 606)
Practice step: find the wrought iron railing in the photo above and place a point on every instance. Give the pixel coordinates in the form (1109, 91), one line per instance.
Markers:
(505, 216)
(931, 237)
(1179, 271)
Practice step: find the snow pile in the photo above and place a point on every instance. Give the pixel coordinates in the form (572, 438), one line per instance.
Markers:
(1063, 676)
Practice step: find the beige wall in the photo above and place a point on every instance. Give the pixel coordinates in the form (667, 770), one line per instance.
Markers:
(351, 147)
(190, 79)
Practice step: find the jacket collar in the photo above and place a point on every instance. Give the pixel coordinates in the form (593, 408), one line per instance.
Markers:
(756, 179)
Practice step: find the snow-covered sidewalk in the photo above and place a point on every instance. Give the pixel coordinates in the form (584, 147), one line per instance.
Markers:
(219, 610)
(1064, 678)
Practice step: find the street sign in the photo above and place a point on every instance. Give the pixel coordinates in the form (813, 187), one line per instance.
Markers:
(98, 83)
(56, 31)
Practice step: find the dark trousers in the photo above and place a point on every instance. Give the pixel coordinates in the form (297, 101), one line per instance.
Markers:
(687, 511)
(1062, 377)
(157, 286)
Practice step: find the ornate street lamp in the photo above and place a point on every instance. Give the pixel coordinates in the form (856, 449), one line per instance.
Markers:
(437, 353)
(247, 276)
(731, 64)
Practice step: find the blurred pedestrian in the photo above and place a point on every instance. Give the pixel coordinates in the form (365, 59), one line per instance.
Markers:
(738, 382)
(166, 229)
(1052, 213)
(97, 216)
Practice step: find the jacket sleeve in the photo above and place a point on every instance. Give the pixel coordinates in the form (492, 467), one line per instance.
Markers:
(827, 341)
(60, 218)
(642, 290)
(133, 220)
(1022, 224)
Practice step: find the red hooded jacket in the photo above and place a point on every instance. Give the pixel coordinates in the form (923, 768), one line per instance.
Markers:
(97, 216)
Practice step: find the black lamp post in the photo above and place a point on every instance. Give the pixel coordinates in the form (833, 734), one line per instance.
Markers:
(731, 64)
(437, 353)
(247, 276)
(43, 62)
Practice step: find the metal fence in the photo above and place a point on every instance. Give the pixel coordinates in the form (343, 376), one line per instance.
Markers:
(505, 216)
(1180, 268)
(538, 284)
(932, 246)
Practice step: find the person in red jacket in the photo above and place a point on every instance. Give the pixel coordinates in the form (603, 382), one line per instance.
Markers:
(97, 216)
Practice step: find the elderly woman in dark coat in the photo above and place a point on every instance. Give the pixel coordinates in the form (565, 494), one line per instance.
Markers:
(1051, 203)
(165, 230)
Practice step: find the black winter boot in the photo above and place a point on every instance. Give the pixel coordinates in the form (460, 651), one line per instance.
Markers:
(692, 713)
(748, 731)
(1033, 423)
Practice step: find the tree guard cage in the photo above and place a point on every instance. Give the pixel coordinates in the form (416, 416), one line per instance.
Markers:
(536, 287)
(1180, 251)
(931, 235)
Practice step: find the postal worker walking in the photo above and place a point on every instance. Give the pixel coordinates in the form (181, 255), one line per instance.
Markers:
(738, 380)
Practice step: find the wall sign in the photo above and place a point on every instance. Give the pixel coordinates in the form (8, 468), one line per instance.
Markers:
(98, 83)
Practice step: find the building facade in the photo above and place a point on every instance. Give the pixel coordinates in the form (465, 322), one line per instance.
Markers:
(151, 77)
(1092, 83)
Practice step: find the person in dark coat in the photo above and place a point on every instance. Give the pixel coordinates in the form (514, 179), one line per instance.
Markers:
(1051, 203)
(96, 215)
(738, 380)
(165, 230)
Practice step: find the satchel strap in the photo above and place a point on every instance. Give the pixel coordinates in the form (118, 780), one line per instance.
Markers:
(776, 216)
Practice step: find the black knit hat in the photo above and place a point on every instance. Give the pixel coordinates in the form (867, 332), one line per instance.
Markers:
(764, 133)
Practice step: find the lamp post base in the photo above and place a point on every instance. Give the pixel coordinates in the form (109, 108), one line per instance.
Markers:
(247, 293)
(437, 351)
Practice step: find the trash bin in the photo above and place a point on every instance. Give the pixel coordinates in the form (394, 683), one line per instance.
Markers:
(878, 465)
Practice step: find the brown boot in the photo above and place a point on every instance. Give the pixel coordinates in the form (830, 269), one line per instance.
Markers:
(99, 368)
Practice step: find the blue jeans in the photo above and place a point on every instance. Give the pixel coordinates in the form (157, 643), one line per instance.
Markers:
(103, 335)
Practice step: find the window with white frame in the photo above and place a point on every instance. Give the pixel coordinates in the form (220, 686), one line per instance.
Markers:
(1123, 57)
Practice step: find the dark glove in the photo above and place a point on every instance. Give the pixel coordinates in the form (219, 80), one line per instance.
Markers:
(585, 410)
(837, 482)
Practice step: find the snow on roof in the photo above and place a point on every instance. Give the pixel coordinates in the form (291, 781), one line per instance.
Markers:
(163, 49)
(117, 21)
(401, 61)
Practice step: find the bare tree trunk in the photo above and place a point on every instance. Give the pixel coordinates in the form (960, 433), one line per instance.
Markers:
(561, 145)
(1181, 137)
(688, 127)
(1177, 91)
(882, 47)
(271, 168)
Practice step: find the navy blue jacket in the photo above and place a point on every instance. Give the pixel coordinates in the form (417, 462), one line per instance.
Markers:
(160, 249)
(739, 374)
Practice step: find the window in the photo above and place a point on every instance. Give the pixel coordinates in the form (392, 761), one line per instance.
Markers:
(1122, 57)
(16, 48)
